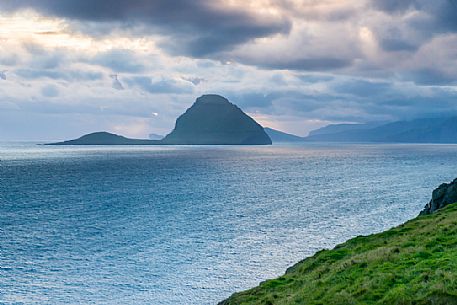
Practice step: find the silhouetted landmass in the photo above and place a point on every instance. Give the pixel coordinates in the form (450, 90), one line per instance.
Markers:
(337, 128)
(153, 136)
(105, 138)
(435, 130)
(277, 136)
(212, 119)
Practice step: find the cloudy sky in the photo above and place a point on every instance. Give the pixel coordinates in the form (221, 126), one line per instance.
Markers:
(132, 66)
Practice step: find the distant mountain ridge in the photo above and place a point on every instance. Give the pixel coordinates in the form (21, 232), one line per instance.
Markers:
(277, 136)
(336, 128)
(425, 130)
(154, 136)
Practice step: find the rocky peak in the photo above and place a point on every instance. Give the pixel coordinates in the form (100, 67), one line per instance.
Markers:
(444, 195)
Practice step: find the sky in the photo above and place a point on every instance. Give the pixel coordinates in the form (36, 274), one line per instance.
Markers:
(132, 67)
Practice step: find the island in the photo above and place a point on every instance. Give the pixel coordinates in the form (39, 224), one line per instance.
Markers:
(414, 263)
(105, 138)
(211, 120)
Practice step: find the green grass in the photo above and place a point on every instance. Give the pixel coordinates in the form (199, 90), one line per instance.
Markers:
(414, 263)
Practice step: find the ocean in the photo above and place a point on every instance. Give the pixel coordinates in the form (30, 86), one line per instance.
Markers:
(192, 225)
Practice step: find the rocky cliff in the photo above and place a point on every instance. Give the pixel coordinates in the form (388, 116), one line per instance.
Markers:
(445, 194)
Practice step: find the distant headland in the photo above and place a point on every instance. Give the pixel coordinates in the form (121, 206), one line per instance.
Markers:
(211, 120)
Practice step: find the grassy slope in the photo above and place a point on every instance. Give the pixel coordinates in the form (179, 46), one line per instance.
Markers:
(415, 263)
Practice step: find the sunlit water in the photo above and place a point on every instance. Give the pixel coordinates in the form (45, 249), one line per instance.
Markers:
(191, 225)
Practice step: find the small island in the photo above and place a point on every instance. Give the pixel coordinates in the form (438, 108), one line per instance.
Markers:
(105, 138)
(212, 120)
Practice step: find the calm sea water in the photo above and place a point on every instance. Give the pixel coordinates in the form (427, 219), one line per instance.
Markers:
(191, 225)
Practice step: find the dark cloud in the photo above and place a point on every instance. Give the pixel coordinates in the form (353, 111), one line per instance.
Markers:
(442, 13)
(305, 64)
(394, 44)
(414, 23)
(280, 101)
(202, 27)
(394, 5)
(363, 88)
(431, 77)
(310, 78)
(355, 100)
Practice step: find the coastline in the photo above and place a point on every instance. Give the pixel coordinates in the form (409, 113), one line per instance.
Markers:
(413, 263)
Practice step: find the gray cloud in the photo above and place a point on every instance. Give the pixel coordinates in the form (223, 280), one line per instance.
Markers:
(202, 27)
(442, 13)
(310, 78)
(156, 87)
(8, 59)
(67, 75)
(193, 80)
(363, 88)
(116, 84)
(50, 91)
(119, 61)
(431, 77)
(397, 44)
(394, 5)
(414, 22)
(308, 64)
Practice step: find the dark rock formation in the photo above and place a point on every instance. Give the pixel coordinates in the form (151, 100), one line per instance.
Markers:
(445, 194)
(213, 120)
(105, 138)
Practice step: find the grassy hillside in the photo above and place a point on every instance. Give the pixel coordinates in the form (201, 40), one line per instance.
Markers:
(415, 263)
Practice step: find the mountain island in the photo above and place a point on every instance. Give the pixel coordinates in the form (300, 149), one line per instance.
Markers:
(212, 120)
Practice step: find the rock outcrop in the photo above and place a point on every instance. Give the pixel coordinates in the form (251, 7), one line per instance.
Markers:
(445, 194)
(213, 120)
